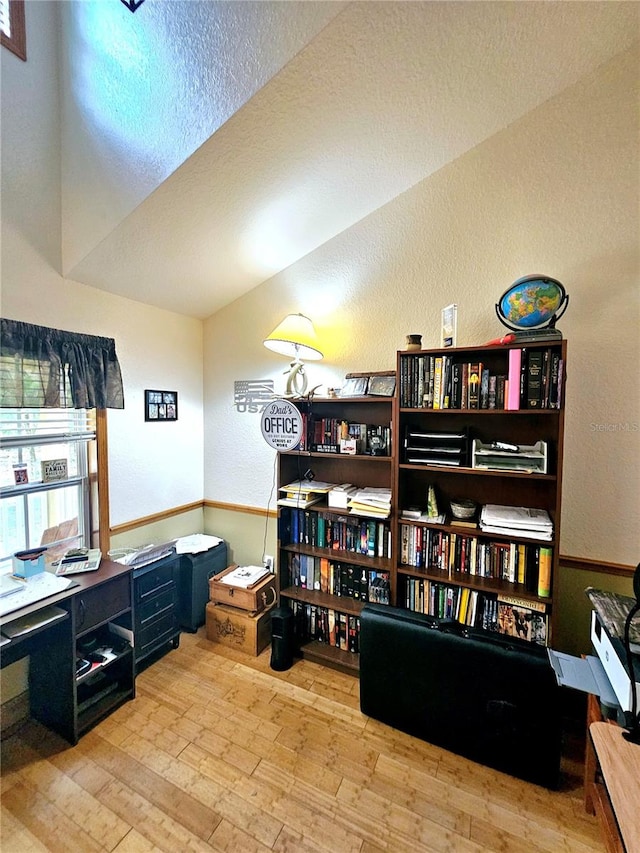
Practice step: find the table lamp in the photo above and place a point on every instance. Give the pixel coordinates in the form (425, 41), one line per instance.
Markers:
(295, 337)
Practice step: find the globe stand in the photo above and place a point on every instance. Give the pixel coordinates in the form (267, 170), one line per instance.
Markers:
(525, 329)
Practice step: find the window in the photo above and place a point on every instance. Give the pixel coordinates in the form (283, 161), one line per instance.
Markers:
(34, 511)
(12, 27)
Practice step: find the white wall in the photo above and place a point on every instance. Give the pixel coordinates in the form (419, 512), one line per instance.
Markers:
(153, 467)
(143, 91)
(554, 193)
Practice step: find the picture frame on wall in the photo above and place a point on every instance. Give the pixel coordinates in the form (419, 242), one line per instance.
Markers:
(160, 405)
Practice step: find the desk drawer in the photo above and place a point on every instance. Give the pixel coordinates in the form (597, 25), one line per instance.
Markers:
(154, 581)
(151, 608)
(156, 632)
(101, 603)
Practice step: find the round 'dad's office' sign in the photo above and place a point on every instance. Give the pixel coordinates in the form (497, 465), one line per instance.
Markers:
(281, 425)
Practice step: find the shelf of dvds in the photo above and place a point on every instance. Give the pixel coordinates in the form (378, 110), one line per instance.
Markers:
(333, 559)
(508, 403)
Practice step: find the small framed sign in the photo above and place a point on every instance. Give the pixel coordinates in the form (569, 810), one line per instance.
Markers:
(160, 405)
(54, 470)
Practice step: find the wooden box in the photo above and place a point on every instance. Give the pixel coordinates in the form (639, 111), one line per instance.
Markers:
(253, 599)
(238, 629)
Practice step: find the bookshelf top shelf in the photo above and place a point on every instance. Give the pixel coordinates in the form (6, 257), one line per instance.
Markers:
(484, 412)
(542, 344)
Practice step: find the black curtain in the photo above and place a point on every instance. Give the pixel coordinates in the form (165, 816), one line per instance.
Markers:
(49, 368)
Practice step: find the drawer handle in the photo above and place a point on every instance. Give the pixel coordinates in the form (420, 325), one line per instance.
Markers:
(82, 612)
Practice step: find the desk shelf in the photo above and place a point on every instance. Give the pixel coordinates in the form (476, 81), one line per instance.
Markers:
(65, 703)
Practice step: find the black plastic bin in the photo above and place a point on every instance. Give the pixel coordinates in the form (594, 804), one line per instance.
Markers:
(195, 571)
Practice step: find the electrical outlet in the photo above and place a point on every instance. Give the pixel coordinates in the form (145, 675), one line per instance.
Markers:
(268, 562)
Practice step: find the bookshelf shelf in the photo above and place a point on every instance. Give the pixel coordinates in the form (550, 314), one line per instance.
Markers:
(338, 556)
(486, 585)
(479, 472)
(343, 604)
(317, 652)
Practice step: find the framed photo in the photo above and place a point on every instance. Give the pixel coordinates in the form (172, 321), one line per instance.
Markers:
(354, 386)
(382, 385)
(449, 328)
(160, 405)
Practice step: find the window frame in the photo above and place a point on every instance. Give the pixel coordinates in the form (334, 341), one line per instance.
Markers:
(17, 41)
(95, 494)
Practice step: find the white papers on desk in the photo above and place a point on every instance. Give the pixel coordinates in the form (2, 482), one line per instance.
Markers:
(34, 589)
(196, 543)
(245, 576)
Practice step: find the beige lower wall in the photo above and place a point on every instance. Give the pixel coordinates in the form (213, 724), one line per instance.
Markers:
(156, 532)
(573, 625)
(249, 534)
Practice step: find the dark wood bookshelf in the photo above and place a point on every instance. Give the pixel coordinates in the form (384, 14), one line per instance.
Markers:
(521, 426)
(362, 470)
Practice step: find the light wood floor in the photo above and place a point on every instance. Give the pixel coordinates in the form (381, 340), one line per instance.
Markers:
(218, 752)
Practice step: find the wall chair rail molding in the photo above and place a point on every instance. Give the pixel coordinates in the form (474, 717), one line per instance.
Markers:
(586, 565)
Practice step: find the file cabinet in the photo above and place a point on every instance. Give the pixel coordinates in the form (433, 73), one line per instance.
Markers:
(156, 621)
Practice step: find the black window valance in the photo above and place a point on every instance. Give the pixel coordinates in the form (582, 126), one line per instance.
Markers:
(49, 368)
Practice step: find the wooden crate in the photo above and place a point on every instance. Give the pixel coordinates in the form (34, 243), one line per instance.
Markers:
(238, 629)
(253, 599)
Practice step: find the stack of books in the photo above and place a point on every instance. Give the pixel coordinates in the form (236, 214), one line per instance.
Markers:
(527, 522)
(303, 493)
(372, 502)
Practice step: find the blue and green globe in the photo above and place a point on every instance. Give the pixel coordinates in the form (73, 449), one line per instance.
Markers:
(532, 302)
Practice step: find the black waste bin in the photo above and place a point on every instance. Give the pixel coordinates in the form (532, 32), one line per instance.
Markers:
(281, 638)
(195, 571)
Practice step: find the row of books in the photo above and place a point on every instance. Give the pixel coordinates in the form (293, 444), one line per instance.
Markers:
(533, 380)
(325, 434)
(325, 625)
(508, 615)
(341, 579)
(514, 562)
(344, 533)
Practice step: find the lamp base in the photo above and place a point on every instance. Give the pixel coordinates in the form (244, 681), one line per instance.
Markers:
(297, 380)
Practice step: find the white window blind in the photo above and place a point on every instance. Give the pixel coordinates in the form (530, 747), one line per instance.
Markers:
(27, 427)
(5, 18)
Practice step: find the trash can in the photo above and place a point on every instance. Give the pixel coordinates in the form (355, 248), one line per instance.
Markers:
(195, 571)
(281, 638)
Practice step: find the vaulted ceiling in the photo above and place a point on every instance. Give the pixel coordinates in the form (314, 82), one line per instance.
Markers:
(209, 145)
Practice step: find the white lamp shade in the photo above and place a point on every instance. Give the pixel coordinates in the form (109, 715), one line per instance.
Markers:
(294, 337)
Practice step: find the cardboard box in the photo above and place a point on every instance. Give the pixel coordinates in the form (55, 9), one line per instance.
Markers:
(253, 599)
(250, 633)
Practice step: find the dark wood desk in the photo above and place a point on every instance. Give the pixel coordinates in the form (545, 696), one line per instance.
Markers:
(612, 782)
(68, 704)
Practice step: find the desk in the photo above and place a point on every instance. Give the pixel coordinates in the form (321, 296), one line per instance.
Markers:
(67, 704)
(615, 791)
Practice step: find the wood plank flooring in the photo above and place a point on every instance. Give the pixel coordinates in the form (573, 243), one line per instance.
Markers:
(219, 752)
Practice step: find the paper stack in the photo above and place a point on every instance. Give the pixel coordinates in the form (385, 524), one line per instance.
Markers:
(303, 493)
(520, 521)
(371, 501)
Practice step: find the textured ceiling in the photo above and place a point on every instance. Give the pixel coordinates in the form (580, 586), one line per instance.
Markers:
(360, 102)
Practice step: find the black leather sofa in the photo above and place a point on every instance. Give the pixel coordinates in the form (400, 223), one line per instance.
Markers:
(489, 698)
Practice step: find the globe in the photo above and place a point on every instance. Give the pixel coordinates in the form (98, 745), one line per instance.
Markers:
(532, 302)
